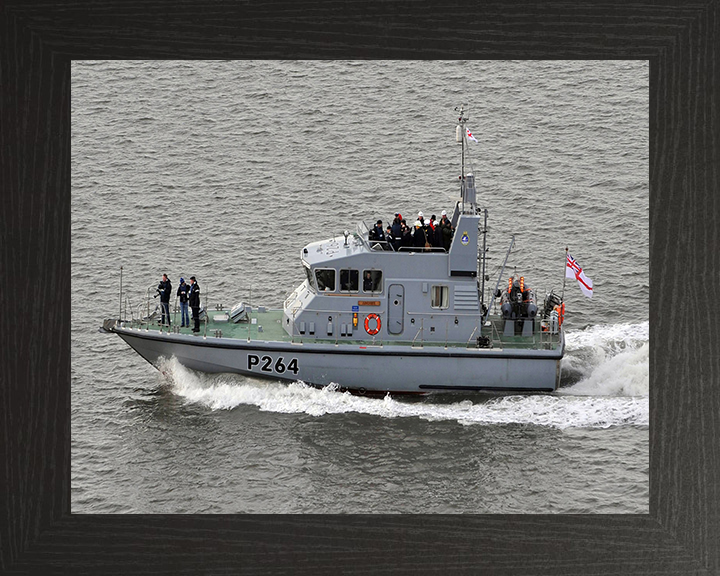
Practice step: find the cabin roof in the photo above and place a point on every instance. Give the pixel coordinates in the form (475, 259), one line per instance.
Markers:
(332, 249)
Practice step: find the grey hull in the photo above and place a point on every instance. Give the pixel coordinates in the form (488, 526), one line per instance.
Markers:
(366, 368)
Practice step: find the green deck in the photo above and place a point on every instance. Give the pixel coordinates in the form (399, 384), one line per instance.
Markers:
(272, 331)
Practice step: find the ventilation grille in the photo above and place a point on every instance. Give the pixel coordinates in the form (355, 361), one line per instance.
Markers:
(466, 298)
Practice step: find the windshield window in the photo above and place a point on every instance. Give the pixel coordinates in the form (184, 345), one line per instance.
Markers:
(309, 275)
(372, 280)
(325, 279)
(349, 280)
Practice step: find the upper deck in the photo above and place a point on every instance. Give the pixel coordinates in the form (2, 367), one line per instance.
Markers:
(266, 325)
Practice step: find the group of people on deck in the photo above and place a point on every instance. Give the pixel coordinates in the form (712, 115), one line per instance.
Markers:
(188, 294)
(424, 235)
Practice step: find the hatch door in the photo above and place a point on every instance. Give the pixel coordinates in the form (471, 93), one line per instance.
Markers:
(396, 308)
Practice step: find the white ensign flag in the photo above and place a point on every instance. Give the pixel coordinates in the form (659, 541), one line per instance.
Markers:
(573, 270)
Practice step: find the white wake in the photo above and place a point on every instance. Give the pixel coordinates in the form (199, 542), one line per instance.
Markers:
(611, 363)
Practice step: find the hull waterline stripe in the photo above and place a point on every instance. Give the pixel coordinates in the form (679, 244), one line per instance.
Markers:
(487, 388)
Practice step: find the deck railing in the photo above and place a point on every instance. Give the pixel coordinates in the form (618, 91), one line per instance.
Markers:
(146, 315)
(363, 232)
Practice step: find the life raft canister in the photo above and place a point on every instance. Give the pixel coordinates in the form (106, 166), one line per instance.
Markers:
(372, 316)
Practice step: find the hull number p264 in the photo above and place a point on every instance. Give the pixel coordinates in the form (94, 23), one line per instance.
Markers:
(268, 364)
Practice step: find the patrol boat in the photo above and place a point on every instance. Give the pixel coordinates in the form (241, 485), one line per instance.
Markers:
(367, 309)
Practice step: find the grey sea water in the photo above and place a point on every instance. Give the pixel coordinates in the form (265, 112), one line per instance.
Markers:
(225, 170)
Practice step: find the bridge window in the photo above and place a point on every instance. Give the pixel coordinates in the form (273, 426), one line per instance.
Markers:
(372, 280)
(439, 297)
(325, 279)
(310, 279)
(349, 280)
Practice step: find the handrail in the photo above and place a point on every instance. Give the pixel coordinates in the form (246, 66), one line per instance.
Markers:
(415, 338)
(499, 341)
(460, 314)
(539, 338)
(414, 249)
(364, 235)
(467, 344)
(388, 247)
(493, 328)
(384, 244)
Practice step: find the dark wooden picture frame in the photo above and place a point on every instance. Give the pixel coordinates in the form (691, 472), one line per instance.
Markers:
(38, 534)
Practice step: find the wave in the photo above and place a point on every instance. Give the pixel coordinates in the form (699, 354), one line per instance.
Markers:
(610, 388)
(607, 360)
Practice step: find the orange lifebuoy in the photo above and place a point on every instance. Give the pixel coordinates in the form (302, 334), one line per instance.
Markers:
(372, 316)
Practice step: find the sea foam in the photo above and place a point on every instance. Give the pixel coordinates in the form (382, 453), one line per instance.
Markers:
(613, 361)
(608, 360)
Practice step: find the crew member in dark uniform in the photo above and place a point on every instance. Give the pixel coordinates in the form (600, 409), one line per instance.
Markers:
(165, 289)
(446, 230)
(377, 232)
(367, 282)
(419, 237)
(194, 301)
(389, 238)
(407, 238)
(182, 292)
(397, 232)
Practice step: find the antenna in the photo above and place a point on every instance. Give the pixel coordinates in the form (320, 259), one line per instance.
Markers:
(462, 120)
(492, 301)
(467, 181)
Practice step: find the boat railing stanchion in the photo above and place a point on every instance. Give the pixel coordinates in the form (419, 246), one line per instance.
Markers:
(416, 335)
(467, 344)
(121, 299)
(206, 315)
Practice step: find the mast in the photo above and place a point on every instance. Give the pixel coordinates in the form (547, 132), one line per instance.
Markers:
(562, 297)
(461, 137)
(120, 315)
(467, 180)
